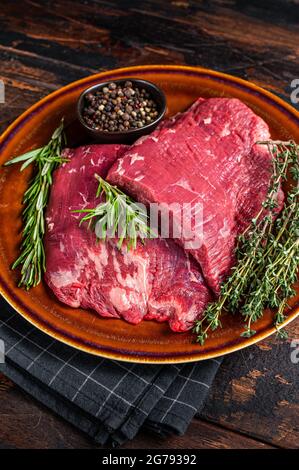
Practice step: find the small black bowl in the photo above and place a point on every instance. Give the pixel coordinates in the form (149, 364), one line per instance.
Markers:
(130, 135)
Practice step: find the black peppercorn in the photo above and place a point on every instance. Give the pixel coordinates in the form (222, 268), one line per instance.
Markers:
(115, 108)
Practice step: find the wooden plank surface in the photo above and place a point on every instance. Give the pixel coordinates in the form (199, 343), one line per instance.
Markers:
(27, 424)
(256, 392)
(47, 44)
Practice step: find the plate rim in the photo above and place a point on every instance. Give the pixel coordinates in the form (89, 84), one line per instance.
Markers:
(119, 355)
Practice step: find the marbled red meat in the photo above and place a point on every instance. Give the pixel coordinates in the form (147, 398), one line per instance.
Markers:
(156, 281)
(207, 155)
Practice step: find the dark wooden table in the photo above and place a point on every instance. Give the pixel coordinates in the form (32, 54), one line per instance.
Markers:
(47, 44)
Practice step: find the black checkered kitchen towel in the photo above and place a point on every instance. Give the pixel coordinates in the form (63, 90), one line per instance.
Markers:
(108, 400)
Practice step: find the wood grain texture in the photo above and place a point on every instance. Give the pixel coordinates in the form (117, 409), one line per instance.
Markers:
(256, 392)
(47, 44)
(27, 424)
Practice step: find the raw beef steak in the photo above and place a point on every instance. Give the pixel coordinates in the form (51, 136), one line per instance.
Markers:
(207, 157)
(156, 281)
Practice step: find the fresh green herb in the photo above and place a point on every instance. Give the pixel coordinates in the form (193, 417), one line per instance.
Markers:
(117, 216)
(282, 334)
(267, 254)
(46, 159)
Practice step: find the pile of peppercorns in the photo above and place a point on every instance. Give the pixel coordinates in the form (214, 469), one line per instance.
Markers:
(119, 107)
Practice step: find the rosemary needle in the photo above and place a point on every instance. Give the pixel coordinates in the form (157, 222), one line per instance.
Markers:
(45, 159)
(267, 254)
(117, 216)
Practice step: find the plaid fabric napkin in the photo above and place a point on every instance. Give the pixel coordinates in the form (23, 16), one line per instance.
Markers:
(108, 400)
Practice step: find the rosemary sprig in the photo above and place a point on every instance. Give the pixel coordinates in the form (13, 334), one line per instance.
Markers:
(267, 254)
(45, 159)
(117, 216)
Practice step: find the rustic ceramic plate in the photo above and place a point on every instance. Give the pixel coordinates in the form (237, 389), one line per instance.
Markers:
(149, 341)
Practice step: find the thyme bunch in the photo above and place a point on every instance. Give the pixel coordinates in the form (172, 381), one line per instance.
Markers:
(267, 254)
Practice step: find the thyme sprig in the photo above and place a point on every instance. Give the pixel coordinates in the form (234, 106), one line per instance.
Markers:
(267, 254)
(45, 159)
(117, 216)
